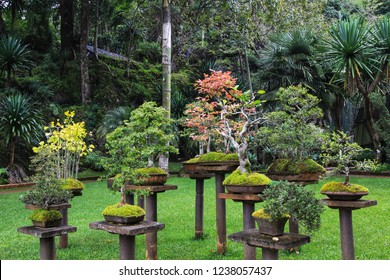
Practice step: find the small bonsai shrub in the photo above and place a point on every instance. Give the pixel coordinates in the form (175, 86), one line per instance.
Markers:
(282, 197)
(247, 178)
(42, 215)
(72, 184)
(294, 167)
(341, 187)
(126, 210)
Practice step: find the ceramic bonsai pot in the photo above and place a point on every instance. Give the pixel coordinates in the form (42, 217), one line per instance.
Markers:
(124, 220)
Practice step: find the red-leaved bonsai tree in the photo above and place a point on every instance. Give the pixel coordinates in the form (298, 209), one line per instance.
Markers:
(234, 111)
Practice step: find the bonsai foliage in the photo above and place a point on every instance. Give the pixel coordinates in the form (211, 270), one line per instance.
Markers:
(293, 167)
(290, 130)
(42, 215)
(200, 117)
(236, 111)
(65, 145)
(138, 143)
(340, 150)
(282, 197)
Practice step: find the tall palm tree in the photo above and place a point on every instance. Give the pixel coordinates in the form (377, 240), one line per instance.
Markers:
(13, 56)
(360, 53)
(19, 120)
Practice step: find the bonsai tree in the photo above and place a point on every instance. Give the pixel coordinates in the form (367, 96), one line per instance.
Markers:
(46, 218)
(341, 151)
(284, 199)
(237, 111)
(291, 133)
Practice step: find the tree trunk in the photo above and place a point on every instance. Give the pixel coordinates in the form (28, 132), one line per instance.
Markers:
(166, 64)
(96, 33)
(85, 86)
(12, 151)
(67, 18)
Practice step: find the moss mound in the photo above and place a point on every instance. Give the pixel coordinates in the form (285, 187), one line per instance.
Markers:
(126, 210)
(261, 214)
(340, 187)
(247, 179)
(214, 156)
(290, 167)
(42, 215)
(150, 170)
(72, 184)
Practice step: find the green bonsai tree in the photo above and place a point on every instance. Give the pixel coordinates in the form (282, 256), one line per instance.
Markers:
(282, 198)
(290, 132)
(340, 151)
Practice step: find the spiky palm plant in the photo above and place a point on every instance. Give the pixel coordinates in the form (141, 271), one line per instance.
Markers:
(19, 120)
(13, 56)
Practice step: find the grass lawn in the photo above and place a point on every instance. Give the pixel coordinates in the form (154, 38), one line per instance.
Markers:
(176, 209)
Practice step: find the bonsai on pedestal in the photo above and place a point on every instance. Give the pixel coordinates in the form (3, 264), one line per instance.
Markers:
(342, 151)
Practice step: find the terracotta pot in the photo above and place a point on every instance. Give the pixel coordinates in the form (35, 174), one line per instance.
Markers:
(345, 196)
(47, 224)
(124, 220)
(191, 167)
(272, 228)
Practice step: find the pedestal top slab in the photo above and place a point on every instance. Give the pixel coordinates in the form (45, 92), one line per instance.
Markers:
(135, 229)
(252, 237)
(349, 204)
(46, 232)
(155, 189)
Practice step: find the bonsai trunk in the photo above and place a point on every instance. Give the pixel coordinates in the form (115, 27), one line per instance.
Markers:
(123, 199)
(242, 157)
(346, 182)
(150, 162)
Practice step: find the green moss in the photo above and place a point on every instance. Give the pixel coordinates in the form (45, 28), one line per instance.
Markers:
(340, 187)
(290, 167)
(193, 160)
(151, 170)
(261, 214)
(72, 184)
(213, 156)
(42, 215)
(247, 178)
(126, 210)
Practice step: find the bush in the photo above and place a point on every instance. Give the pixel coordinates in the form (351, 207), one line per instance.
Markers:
(42, 215)
(126, 210)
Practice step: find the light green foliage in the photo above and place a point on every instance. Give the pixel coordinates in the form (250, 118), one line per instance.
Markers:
(217, 156)
(126, 210)
(42, 215)
(292, 167)
(247, 179)
(290, 130)
(282, 197)
(73, 184)
(340, 150)
(341, 187)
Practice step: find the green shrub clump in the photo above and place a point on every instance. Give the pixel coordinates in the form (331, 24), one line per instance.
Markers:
(341, 187)
(247, 179)
(126, 210)
(291, 167)
(42, 215)
(72, 184)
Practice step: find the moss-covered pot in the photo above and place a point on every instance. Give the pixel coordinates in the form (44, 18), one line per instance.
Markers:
(152, 176)
(212, 162)
(340, 191)
(268, 226)
(46, 218)
(306, 171)
(74, 186)
(123, 214)
(248, 182)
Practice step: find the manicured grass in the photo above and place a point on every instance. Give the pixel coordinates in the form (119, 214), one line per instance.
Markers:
(176, 209)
